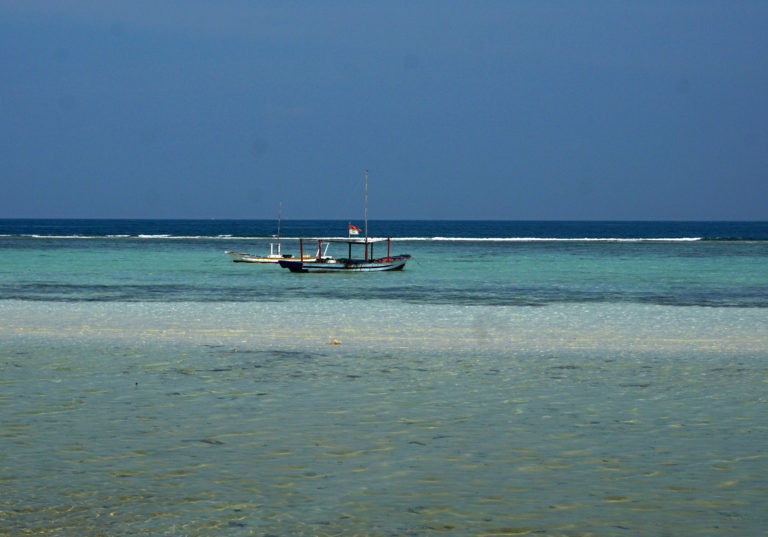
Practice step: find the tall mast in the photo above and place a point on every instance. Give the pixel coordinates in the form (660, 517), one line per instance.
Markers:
(279, 217)
(366, 206)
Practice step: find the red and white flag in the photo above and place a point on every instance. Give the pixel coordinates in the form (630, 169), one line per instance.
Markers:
(354, 230)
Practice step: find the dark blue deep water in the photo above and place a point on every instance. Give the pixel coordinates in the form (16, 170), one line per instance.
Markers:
(394, 228)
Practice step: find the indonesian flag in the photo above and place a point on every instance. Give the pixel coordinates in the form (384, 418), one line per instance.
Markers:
(354, 230)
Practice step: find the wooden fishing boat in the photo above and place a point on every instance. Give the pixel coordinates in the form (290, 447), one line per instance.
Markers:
(274, 255)
(367, 263)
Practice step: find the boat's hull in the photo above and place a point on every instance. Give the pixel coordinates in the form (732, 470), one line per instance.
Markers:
(347, 265)
(238, 257)
(256, 259)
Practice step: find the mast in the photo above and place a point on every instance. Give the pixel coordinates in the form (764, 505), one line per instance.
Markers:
(366, 215)
(279, 217)
(366, 206)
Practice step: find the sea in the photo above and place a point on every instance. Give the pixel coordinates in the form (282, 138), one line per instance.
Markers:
(517, 378)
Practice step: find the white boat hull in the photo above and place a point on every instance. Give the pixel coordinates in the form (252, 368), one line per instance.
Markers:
(239, 257)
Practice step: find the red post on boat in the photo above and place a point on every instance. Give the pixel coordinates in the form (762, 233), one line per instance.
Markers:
(319, 249)
(301, 249)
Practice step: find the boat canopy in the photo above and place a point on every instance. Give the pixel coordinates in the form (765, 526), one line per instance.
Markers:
(350, 240)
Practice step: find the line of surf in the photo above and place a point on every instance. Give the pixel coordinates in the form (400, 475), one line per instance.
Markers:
(166, 236)
(550, 239)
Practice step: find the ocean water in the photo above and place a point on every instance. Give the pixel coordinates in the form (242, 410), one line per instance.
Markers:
(517, 378)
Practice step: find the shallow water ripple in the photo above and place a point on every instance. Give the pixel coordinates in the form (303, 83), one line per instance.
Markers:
(199, 440)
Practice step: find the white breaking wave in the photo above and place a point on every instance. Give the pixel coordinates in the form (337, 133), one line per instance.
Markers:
(394, 239)
(549, 239)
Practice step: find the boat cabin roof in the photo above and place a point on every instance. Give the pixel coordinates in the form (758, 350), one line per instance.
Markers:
(350, 240)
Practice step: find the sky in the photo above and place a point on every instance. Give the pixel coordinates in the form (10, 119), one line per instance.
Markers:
(497, 110)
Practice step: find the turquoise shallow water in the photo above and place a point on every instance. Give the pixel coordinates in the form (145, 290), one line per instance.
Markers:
(151, 387)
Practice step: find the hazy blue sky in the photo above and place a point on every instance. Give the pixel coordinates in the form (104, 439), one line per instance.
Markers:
(484, 110)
